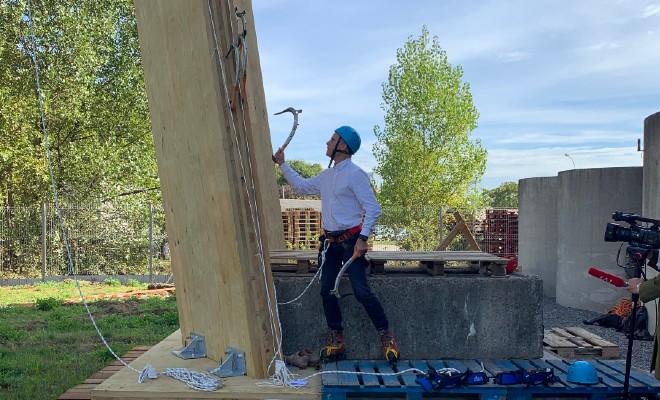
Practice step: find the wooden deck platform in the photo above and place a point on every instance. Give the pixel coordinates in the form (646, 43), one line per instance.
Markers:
(124, 385)
(84, 390)
(434, 262)
(121, 383)
(341, 386)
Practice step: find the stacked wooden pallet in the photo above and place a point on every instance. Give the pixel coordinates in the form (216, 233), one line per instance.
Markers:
(576, 342)
(302, 227)
(355, 379)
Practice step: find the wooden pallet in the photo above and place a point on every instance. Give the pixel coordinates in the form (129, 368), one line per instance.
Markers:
(576, 342)
(433, 262)
(339, 386)
(83, 391)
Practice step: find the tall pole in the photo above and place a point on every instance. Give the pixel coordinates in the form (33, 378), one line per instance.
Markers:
(571, 158)
(44, 239)
(151, 243)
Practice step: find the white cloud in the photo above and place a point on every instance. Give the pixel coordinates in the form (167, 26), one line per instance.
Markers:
(547, 80)
(513, 56)
(651, 10)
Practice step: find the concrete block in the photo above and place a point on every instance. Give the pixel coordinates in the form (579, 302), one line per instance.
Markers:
(456, 316)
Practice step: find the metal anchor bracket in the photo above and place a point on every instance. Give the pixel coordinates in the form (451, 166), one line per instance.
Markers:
(234, 364)
(196, 347)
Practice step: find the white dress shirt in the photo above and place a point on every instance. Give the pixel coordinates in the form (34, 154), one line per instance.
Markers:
(346, 195)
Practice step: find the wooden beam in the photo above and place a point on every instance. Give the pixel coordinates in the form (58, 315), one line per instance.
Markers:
(460, 227)
(217, 178)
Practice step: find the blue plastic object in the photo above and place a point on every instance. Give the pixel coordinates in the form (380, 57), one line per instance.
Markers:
(350, 136)
(583, 373)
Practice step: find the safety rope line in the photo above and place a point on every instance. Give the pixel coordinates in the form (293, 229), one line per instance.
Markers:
(326, 244)
(282, 376)
(195, 380)
(277, 333)
(65, 239)
(296, 380)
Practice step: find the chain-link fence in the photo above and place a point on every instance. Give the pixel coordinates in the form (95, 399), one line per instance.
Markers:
(109, 239)
(130, 239)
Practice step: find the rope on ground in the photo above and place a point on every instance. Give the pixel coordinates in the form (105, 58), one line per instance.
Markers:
(195, 380)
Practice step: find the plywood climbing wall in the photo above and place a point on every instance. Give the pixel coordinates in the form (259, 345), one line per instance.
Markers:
(216, 173)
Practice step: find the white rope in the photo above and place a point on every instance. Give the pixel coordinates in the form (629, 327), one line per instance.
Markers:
(283, 377)
(65, 239)
(415, 370)
(195, 380)
(250, 189)
(318, 273)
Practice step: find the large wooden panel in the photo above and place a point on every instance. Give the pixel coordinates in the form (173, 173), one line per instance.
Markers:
(216, 175)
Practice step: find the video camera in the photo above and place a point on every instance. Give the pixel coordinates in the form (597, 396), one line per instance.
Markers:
(635, 235)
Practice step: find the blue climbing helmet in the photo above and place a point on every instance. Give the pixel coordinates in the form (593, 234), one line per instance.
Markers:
(582, 372)
(350, 136)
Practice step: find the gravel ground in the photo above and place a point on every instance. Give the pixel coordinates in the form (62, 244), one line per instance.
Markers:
(558, 316)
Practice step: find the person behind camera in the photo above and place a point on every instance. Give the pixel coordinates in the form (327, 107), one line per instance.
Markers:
(648, 290)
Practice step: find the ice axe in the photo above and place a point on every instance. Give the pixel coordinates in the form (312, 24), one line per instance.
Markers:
(335, 290)
(293, 129)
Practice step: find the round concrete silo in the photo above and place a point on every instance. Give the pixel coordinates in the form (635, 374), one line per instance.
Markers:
(651, 196)
(586, 200)
(537, 230)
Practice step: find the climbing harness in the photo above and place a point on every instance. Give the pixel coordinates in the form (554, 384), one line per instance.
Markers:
(293, 128)
(340, 236)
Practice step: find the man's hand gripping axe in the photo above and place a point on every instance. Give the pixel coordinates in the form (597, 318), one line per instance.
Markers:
(293, 129)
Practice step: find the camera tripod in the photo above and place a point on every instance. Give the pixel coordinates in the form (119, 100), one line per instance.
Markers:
(637, 257)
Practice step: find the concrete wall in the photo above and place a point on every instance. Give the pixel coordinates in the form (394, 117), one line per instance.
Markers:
(455, 316)
(586, 200)
(537, 230)
(651, 189)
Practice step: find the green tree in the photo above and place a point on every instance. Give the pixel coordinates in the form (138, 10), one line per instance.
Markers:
(94, 97)
(425, 156)
(503, 196)
(305, 169)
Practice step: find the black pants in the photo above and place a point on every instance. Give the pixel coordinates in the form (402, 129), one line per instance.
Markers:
(335, 256)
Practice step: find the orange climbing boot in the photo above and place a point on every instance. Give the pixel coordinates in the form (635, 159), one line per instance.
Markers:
(390, 348)
(335, 349)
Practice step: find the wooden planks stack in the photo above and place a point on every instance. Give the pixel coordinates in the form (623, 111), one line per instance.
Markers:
(576, 342)
(302, 227)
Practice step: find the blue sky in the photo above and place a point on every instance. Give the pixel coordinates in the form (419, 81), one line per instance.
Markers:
(549, 78)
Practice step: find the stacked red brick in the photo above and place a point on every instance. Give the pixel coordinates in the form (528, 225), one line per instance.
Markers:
(501, 232)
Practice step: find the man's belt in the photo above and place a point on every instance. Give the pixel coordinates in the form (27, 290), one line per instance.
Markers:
(340, 236)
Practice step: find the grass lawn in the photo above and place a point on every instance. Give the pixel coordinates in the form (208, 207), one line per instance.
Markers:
(48, 347)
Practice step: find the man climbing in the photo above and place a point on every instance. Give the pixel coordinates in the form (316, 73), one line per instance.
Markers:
(346, 198)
